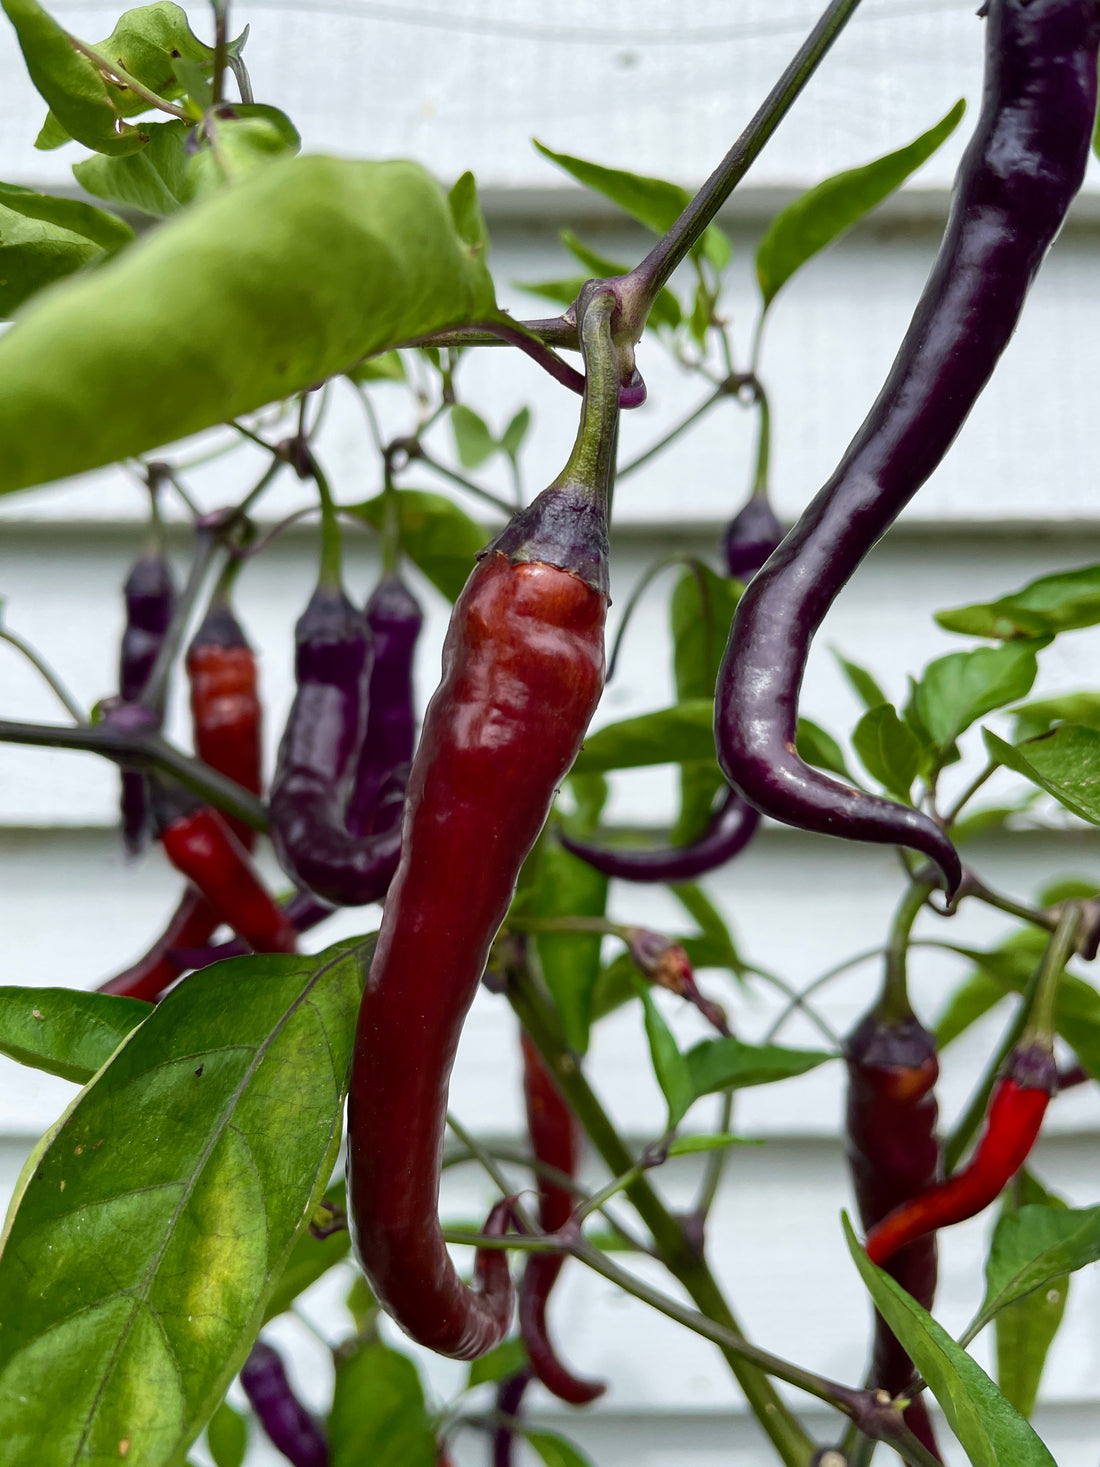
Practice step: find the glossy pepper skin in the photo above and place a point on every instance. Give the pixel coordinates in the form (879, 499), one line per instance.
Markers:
(554, 1140)
(289, 1426)
(150, 595)
(394, 618)
(198, 843)
(1012, 1123)
(1016, 180)
(318, 758)
(226, 713)
(730, 829)
(523, 667)
(894, 1154)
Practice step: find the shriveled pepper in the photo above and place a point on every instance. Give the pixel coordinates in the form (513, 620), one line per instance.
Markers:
(1016, 180)
(554, 1140)
(523, 667)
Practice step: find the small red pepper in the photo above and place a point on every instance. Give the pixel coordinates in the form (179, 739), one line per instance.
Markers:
(1012, 1124)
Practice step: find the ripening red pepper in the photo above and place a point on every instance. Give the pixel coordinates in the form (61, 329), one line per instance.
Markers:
(523, 667)
(554, 1140)
(1012, 1124)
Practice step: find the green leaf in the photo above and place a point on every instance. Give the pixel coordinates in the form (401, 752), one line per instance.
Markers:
(66, 1032)
(235, 146)
(570, 962)
(70, 83)
(727, 1064)
(669, 1065)
(1065, 763)
(888, 749)
(156, 45)
(103, 229)
(561, 292)
(466, 215)
(388, 366)
(665, 310)
(719, 1141)
(309, 1259)
(1041, 716)
(991, 1430)
(956, 690)
(721, 950)
(829, 209)
(227, 1437)
(863, 684)
(473, 440)
(818, 747)
(1052, 604)
(975, 996)
(378, 1412)
(511, 440)
(437, 536)
(555, 1450)
(152, 1225)
(651, 201)
(34, 254)
(1025, 1328)
(676, 735)
(157, 180)
(223, 309)
(700, 614)
(509, 1358)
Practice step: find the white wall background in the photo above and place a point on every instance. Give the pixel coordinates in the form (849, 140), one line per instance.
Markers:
(659, 87)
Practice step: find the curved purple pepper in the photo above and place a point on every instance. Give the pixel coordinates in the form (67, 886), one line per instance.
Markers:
(290, 1427)
(730, 830)
(1016, 180)
(394, 617)
(510, 1394)
(750, 538)
(150, 595)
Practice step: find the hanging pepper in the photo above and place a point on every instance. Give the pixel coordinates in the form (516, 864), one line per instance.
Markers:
(523, 667)
(1016, 180)
(510, 1393)
(731, 828)
(289, 1426)
(894, 1155)
(754, 533)
(1015, 1114)
(198, 843)
(554, 1140)
(191, 925)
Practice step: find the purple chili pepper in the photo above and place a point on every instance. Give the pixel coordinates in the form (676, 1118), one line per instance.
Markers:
(150, 598)
(751, 537)
(291, 1428)
(730, 830)
(509, 1399)
(394, 617)
(1016, 180)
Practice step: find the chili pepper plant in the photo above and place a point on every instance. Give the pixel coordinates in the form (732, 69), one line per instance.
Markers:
(190, 1202)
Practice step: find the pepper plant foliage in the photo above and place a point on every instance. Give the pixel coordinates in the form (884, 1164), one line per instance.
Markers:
(224, 282)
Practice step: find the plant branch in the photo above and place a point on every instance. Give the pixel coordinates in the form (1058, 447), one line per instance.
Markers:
(113, 72)
(64, 697)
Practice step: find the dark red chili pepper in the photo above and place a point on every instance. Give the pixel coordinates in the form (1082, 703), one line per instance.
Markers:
(198, 842)
(556, 1141)
(1016, 180)
(394, 618)
(730, 830)
(289, 1426)
(150, 594)
(227, 718)
(523, 667)
(751, 537)
(192, 923)
(1015, 1114)
(510, 1394)
(303, 911)
(894, 1155)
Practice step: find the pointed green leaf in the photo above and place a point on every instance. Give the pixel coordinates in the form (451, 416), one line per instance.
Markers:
(103, 229)
(236, 146)
(555, 1450)
(888, 749)
(378, 1412)
(674, 735)
(388, 366)
(473, 440)
(227, 1437)
(719, 1141)
(818, 747)
(829, 209)
(991, 1430)
(1052, 604)
(570, 962)
(727, 1064)
(64, 1031)
(152, 1226)
(34, 254)
(669, 1065)
(1025, 1329)
(509, 1358)
(720, 948)
(863, 684)
(156, 180)
(70, 83)
(1065, 763)
(561, 292)
(974, 997)
(466, 215)
(1041, 716)
(438, 537)
(223, 309)
(1033, 1247)
(956, 690)
(665, 310)
(651, 201)
(511, 440)
(156, 45)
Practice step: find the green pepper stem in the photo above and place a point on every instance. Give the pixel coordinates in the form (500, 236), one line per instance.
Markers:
(591, 464)
(1060, 948)
(332, 555)
(893, 1006)
(763, 443)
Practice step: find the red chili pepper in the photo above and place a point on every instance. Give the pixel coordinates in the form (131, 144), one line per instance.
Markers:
(198, 842)
(1012, 1124)
(523, 667)
(192, 924)
(554, 1140)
